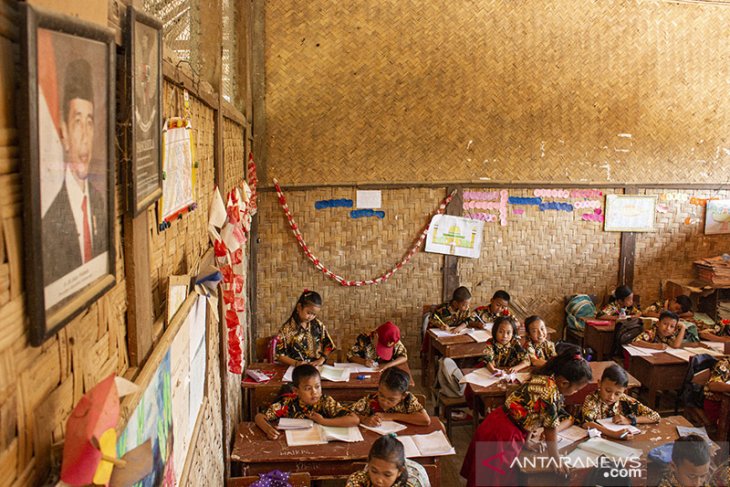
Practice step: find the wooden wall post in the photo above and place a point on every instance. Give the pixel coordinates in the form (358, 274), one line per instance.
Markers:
(140, 316)
(628, 252)
(451, 262)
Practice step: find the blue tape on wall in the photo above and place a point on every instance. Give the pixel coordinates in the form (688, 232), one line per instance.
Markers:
(322, 204)
(517, 200)
(556, 205)
(367, 213)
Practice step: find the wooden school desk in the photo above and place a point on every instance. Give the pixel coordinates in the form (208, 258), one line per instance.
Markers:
(455, 347)
(600, 339)
(652, 435)
(496, 394)
(256, 454)
(659, 372)
(259, 393)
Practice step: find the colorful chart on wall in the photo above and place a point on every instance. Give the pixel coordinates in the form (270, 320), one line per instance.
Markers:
(453, 235)
(152, 420)
(717, 217)
(630, 213)
(178, 169)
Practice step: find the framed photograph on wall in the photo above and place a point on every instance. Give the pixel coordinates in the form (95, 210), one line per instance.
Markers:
(144, 66)
(629, 213)
(67, 122)
(717, 217)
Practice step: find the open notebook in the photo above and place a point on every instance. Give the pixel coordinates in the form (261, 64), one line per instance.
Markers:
(591, 449)
(386, 427)
(334, 374)
(609, 424)
(321, 435)
(294, 424)
(430, 445)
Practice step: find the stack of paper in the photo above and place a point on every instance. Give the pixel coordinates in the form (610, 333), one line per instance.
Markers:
(334, 374)
(431, 445)
(294, 424)
(635, 351)
(701, 350)
(684, 354)
(386, 427)
(609, 424)
(714, 269)
(320, 435)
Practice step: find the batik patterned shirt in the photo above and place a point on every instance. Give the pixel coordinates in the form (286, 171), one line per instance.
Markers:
(544, 351)
(720, 373)
(444, 315)
(536, 404)
(485, 313)
(614, 309)
(417, 477)
(369, 405)
(291, 407)
(595, 408)
(652, 336)
(300, 343)
(669, 479)
(720, 329)
(364, 348)
(508, 355)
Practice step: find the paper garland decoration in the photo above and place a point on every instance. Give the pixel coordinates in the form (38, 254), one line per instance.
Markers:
(341, 280)
(485, 200)
(518, 200)
(481, 195)
(253, 184)
(366, 213)
(555, 205)
(341, 203)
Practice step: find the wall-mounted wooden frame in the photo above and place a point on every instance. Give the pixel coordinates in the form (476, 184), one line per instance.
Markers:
(67, 117)
(630, 213)
(144, 104)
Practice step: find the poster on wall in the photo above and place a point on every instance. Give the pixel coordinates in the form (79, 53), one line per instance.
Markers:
(717, 217)
(453, 235)
(629, 213)
(68, 170)
(177, 160)
(144, 66)
(152, 420)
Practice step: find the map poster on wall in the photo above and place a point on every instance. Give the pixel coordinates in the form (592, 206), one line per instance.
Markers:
(630, 213)
(178, 172)
(453, 235)
(717, 217)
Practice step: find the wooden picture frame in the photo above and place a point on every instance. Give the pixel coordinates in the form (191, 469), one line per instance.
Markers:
(144, 105)
(67, 116)
(630, 213)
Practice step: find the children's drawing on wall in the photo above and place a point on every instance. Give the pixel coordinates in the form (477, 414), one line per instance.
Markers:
(717, 217)
(453, 235)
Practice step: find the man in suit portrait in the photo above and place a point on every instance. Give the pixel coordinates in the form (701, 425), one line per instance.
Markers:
(74, 228)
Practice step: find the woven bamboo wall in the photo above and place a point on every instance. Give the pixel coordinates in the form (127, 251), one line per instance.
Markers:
(39, 386)
(679, 240)
(541, 256)
(354, 248)
(175, 250)
(234, 153)
(557, 90)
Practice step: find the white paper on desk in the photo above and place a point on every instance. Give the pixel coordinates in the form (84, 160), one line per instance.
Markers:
(356, 368)
(680, 353)
(478, 336)
(609, 424)
(311, 436)
(635, 351)
(288, 374)
(334, 374)
(386, 427)
(409, 446)
(573, 434)
(369, 199)
(294, 424)
(433, 444)
(701, 350)
(349, 434)
(717, 346)
(611, 449)
(480, 377)
(442, 333)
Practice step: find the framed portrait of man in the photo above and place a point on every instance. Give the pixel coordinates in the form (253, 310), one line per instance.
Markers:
(68, 167)
(144, 65)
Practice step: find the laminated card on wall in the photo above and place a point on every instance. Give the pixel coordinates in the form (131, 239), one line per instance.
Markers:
(452, 235)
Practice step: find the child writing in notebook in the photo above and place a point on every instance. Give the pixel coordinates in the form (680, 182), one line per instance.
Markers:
(380, 348)
(716, 385)
(392, 402)
(388, 467)
(503, 352)
(538, 347)
(536, 404)
(498, 306)
(690, 463)
(308, 402)
(610, 401)
(303, 339)
(682, 305)
(454, 315)
(667, 332)
(620, 306)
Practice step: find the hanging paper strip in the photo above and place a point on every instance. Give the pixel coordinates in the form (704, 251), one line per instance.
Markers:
(253, 183)
(345, 282)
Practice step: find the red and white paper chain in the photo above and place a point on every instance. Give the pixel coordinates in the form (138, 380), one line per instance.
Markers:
(341, 280)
